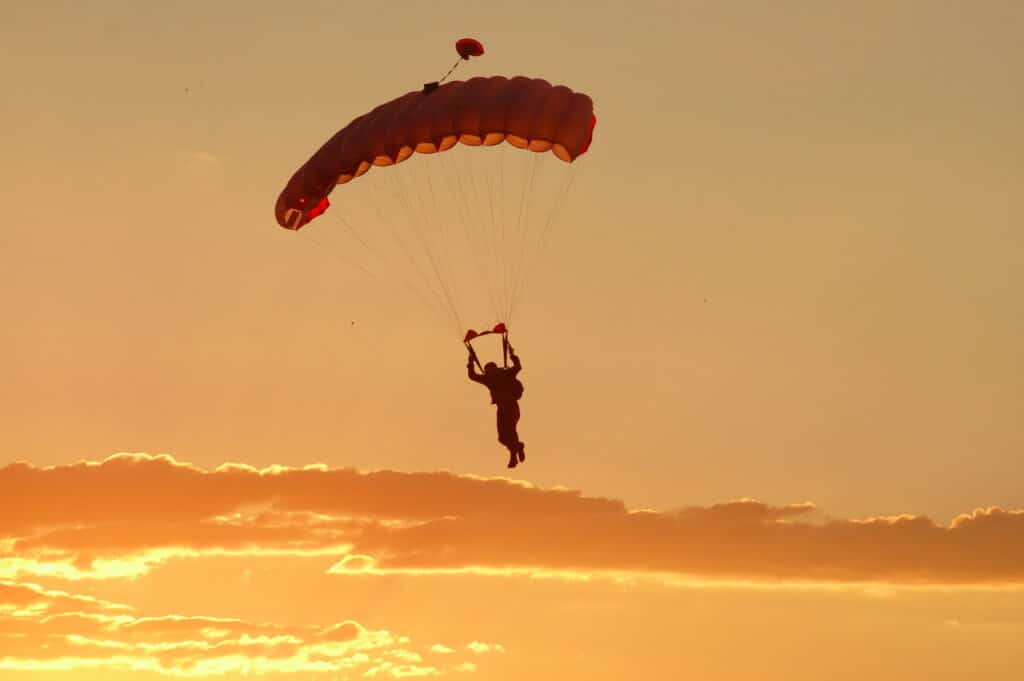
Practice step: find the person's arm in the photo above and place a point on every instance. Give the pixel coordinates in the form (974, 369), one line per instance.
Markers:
(471, 372)
(516, 364)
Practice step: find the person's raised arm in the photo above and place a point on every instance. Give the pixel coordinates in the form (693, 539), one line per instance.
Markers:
(471, 372)
(516, 364)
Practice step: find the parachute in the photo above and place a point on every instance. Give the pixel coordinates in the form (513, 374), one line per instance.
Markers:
(423, 207)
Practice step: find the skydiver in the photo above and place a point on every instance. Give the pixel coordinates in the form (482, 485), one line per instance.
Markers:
(505, 391)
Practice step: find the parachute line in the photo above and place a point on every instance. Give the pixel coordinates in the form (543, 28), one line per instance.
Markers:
(473, 225)
(559, 202)
(416, 223)
(524, 207)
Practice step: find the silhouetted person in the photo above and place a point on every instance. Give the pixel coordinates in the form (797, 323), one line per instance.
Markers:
(505, 391)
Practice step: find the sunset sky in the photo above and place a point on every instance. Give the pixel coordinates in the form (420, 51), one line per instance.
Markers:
(773, 351)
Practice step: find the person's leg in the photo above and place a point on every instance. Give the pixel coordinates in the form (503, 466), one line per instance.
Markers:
(519, 446)
(507, 434)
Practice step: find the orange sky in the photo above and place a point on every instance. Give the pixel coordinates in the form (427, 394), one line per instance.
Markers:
(772, 351)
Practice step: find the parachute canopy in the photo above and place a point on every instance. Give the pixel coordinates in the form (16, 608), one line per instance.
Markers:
(528, 113)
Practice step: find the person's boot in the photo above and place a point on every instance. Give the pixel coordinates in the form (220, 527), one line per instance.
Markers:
(522, 452)
(512, 460)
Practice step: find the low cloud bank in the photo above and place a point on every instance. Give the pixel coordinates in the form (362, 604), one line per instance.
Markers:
(121, 516)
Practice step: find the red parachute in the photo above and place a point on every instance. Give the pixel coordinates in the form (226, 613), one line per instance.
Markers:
(529, 114)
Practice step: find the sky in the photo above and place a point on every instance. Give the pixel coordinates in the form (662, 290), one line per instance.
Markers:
(772, 348)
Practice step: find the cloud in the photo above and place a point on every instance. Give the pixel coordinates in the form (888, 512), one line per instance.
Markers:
(19, 598)
(120, 517)
(47, 630)
(480, 648)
